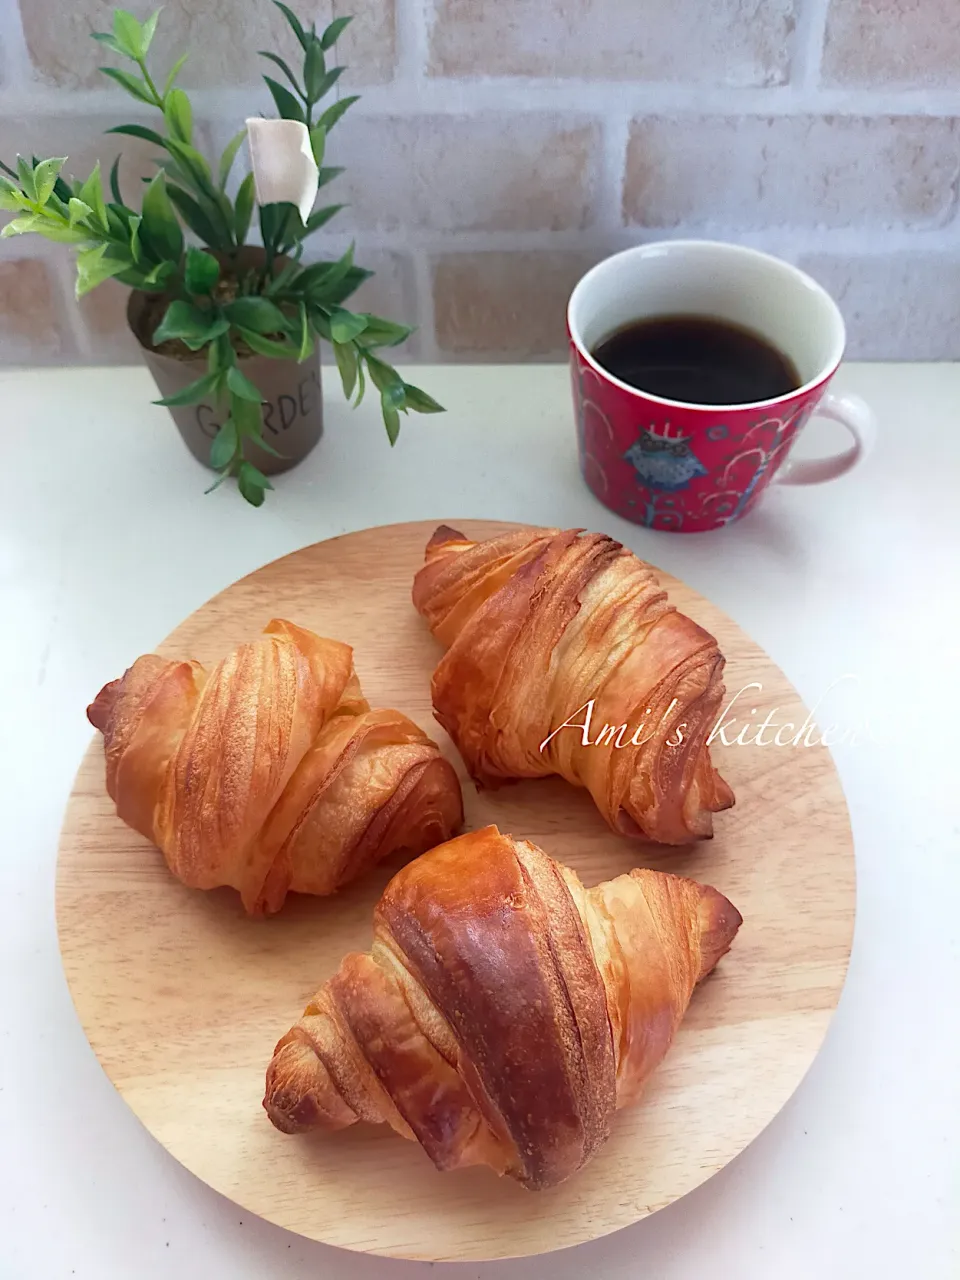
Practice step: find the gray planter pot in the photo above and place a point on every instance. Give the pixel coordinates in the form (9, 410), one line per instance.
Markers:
(293, 404)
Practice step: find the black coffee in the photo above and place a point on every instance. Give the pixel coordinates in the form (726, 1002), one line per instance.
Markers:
(697, 360)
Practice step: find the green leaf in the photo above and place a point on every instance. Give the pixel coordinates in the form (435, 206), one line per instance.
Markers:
(117, 218)
(241, 386)
(306, 337)
(63, 189)
(278, 283)
(318, 142)
(191, 161)
(253, 495)
(311, 279)
(224, 446)
(322, 281)
(160, 231)
(147, 31)
(347, 285)
(78, 210)
(287, 104)
(336, 110)
(391, 420)
(346, 325)
(335, 31)
(244, 208)
(25, 174)
(330, 274)
(11, 199)
(93, 267)
(320, 217)
(326, 83)
(194, 393)
(179, 115)
(361, 385)
(109, 41)
(255, 436)
(229, 155)
(420, 402)
(252, 483)
(294, 22)
(346, 356)
(314, 71)
(219, 481)
(289, 227)
(185, 321)
(267, 346)
(128, 33)
(249, 419)
(272, 216)
(133, 84)
(383, 376)
(22, 226)
(61, 233)
(247, 415)
(258, 314)
(320, 321)
(136, 249)
(202, 272)
(174, 72)
(191, 168)
(384, 333)
(115, 181)
(160, 274)
(279, 62)
(395, 395)
(194, 216)
(328, 175)
(91, 193)
(139, 131)
(45, 177)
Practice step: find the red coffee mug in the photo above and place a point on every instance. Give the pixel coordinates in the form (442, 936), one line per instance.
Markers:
(693, 467)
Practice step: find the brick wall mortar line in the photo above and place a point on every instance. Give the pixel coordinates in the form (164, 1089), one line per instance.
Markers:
(454, 97)
(17, 71)
(808, 44)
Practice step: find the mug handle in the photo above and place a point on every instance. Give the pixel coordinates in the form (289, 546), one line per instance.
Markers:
(854, 414)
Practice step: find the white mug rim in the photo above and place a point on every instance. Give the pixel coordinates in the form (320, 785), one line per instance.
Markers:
(720, 248)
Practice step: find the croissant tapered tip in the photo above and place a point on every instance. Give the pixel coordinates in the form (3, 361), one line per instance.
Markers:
(101, 708)
(443, 534)
(719, 922)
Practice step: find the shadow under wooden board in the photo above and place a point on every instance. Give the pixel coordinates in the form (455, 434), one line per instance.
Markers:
(182, 997)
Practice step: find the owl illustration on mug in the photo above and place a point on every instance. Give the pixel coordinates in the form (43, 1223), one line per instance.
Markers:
(662, 459)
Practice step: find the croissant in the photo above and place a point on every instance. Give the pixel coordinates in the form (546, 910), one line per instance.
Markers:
(270, 772)
(504, 1012)
(563, 656)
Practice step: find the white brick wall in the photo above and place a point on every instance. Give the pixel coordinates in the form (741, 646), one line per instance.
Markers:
(503, 145)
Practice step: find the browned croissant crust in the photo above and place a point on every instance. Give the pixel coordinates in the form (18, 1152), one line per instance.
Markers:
(545, 627)
(270, 772)
(504, 1011)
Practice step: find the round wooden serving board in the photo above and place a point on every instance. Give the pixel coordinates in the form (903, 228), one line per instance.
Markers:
(183, 997)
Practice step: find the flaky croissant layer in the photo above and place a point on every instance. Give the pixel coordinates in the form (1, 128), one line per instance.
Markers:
(270, 772)
(504, 1012)
(564, 656)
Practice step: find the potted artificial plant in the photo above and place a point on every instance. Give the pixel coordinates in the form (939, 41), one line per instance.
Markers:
(225, 327)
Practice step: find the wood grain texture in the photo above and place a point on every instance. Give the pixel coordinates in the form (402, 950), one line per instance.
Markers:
(183, 997)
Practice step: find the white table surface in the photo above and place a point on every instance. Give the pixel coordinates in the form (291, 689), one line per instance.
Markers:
(107, 542)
